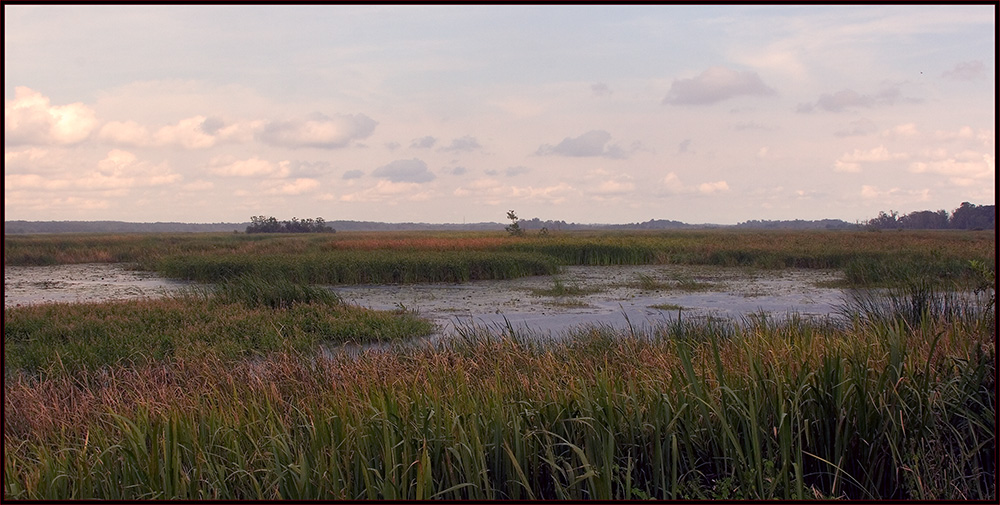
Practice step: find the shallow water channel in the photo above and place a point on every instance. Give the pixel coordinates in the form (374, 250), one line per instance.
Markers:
(614, 296)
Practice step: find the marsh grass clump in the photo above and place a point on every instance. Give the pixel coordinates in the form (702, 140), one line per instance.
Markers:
(275, 293)
(238, 319)
(756, 410)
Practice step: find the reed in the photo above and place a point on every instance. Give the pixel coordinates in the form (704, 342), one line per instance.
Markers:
(752, 409)
(241, 318)
(867, 258)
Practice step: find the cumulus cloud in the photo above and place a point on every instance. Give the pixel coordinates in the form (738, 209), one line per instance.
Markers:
(228, 166)
(672, 185)
(352, 174)
(413, 170)
(715, 85)
(966, 71)
(423, 142)
(466, 143)
(847, 99)
(458, 171)
(559, 193)
(390, 192)
(318, 131)
(874, 193)
(612, 187)
(31, 119)
(117, 172)
(593, 143)
(196, 132)
(294, 187)
(851, 162)
(962, 168)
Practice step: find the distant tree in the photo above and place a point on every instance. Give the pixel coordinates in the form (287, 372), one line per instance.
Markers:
(971, 217)
(884, 221)
(267, 224)
(925, 220)
(514, 228)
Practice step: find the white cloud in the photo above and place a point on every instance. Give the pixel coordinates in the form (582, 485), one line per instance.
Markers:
(30, 119)
(613, 188)
(186, 133)
(125, 133)
(17, 182)
(843, 166)
(673, 186)
(227, 166)
(318, 131)
(556, 194)
(197, 132)
(708, 188)
(295, 187)
(389, 192)
(879, 153)
(905, 130)
(966, 165)
(851, 162)
(715, 85)
(894, 194)
(118, 170)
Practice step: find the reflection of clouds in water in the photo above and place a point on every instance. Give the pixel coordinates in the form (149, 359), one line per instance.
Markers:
(91, 282)
(616, 300)
(613, 297)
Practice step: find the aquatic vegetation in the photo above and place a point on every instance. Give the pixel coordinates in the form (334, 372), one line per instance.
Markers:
(227, 392)
(751, 409)
(866, 258)
(239, 319)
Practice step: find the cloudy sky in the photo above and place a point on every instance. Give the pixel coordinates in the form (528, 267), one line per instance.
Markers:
(450, 114)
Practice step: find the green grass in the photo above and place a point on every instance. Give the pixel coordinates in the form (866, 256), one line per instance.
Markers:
(238, 319)
(222, 393)
(682, 412)
(866, 258)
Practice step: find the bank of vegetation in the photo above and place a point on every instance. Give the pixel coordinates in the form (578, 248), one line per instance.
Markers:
(242, 390)
(403, 257)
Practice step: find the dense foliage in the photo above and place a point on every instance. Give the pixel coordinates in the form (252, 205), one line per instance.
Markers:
(265, 224)
(967, 217)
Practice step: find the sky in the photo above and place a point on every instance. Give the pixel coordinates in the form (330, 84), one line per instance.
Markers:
(449, 114)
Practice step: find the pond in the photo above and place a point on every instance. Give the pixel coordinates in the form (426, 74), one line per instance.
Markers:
(615, 296)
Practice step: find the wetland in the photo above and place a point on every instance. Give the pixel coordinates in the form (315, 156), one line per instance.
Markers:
(690, 365)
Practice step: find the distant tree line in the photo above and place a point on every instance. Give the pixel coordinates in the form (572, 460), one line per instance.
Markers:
(967, 217)
(268, 224)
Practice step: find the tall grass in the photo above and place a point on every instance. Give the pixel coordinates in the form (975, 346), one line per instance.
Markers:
(221, 393)
(758, 409)
(360, 267)
(244, 317)
(866, 258)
